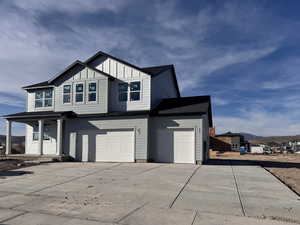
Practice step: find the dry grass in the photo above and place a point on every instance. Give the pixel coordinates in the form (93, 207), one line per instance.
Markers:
(285, 166)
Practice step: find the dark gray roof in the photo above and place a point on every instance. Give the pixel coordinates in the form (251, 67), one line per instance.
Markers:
(155, 70)
(76, 63)
(194, 105)
(229, 134)
(184, 106)
(36, 115)
(38, 85)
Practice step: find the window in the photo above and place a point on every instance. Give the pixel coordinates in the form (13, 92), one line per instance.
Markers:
(135, 91)
(35, 133)
(48, 98)
(92, 92)
(79, 93)
(39, 99)
(43, 98)
(123, 92)
(67, 94)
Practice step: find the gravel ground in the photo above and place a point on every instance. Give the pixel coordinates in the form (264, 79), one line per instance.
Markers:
(284, 166)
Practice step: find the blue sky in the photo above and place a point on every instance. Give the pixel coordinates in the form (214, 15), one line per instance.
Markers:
(245, 54)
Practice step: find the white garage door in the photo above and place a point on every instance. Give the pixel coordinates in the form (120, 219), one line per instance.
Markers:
(184, 146)
(115, 146)
(175, 145)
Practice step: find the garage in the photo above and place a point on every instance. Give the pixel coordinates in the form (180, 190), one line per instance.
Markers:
(115, 146)
(175, 146)
(112, 145)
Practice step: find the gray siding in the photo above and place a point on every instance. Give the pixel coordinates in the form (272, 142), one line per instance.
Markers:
(139, 124)
(162, 86)
(76, 75)
(194, 122)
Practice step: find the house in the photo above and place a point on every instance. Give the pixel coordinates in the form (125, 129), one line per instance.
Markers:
(106, 109)
(236, 140)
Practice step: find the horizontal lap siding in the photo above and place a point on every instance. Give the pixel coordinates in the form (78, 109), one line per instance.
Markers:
(194, 122)
(140, 125)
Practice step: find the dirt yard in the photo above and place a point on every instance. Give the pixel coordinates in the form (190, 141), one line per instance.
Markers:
(286, 167)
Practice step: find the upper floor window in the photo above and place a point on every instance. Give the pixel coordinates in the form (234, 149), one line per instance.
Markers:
(123, 92)
(43, 98)
(67, 94)
(79, 93)
(135, 91)
(92, 92)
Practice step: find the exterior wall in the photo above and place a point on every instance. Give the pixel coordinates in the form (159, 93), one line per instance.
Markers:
(159, 90)
(49, 146)
(194, 122)
(125, 73)
(232, 141)
(139, 124)
(77, 75)
(206, 140)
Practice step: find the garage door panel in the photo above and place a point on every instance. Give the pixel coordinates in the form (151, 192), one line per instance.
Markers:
(115, 146)
(175, 145)
(184, 146)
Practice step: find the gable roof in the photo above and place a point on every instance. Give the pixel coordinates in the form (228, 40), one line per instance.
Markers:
(185, 106)
(49, 83)
(152, 71)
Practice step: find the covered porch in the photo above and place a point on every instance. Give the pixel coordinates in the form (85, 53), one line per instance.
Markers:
(44, 132)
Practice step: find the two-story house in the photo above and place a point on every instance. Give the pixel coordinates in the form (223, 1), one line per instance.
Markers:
(108, 110)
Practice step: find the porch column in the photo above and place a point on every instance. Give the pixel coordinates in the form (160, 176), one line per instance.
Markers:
(8, 137)
(59, 137)
(41, 137)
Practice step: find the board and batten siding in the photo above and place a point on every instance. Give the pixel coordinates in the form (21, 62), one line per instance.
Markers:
(159, 90)
(125, 73)
(178, 122)
(80, 125)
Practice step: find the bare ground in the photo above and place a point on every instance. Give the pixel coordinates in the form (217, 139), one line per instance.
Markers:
(285, 167)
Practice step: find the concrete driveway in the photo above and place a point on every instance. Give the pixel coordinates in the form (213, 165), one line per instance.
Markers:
(121, 193)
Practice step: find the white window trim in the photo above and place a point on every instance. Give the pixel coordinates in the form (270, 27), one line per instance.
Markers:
(83, 93)
(50, 138)
(43, 100)
(141, 88)
(88, 92)
(128, 92)
(71, 94)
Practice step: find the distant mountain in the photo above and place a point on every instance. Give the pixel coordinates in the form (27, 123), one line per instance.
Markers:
(250, 137)
(275, 139)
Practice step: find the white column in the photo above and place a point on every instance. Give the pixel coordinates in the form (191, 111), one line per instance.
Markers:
(8, 137)
(59, 137)
(41, 136)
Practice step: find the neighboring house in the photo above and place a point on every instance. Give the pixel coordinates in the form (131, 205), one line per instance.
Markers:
(236, 140)
(108, 110)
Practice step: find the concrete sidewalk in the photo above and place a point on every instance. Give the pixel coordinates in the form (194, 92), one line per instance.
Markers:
(115, 193)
